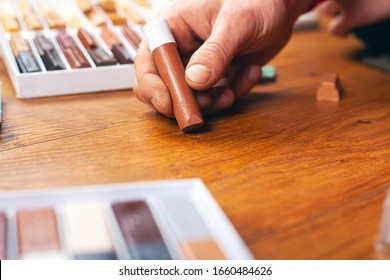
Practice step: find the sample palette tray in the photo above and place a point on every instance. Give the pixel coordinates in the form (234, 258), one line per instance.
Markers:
(132, 13)
(154, 220)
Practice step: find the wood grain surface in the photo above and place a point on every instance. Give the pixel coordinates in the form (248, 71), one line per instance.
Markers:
(298, 178)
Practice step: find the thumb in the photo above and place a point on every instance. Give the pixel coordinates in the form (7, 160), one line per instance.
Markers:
(211, 61)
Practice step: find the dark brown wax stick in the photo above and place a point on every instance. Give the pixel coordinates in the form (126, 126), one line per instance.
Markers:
(98, 54)
(48, 53)
(116, 46)
(171, 70)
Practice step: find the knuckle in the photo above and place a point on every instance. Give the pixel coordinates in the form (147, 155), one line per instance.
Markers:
(217, 52)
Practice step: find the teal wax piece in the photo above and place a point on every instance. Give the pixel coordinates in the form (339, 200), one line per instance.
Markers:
(268, 73)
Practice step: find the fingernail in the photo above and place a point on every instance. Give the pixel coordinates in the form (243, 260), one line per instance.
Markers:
(254, 73)
(203, 101)
(225, 100)
(198, 73)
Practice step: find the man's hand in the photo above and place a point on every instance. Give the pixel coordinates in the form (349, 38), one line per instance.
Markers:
(349, 14)
(211, 36)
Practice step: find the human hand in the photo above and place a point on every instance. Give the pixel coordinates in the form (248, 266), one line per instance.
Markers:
(213, 35)
(349, 14)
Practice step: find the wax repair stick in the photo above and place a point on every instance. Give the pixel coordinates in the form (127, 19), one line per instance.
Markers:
(162, 44)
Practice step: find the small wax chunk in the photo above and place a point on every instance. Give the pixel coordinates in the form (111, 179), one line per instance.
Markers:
(329, 89)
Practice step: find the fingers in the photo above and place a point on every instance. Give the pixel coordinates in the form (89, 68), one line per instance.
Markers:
(221, 98)
(245, 79)
(231, 33)
(356, 13)
(149, 88)
(215, 100)
(329, 8)
(350, 15)
(211, 60)
(340, 25)
(184, 24)
(208, 64)
(186, 42)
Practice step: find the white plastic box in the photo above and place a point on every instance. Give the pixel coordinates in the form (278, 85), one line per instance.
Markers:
(71, 81)
(183, 209)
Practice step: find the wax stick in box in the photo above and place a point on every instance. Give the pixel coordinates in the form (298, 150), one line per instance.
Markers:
(53, 19)
(84, 5)
(98, 54)
(29, 16)
(24, 57)
(8, 17)
(116, 46)
(48, 53)
(71, 51)
(131, 36)
(95, 17)
(130, 12)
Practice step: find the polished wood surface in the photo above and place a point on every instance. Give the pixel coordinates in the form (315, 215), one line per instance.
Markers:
(298, 178)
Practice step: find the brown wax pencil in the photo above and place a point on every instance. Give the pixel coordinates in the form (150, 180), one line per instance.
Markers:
(168, 62)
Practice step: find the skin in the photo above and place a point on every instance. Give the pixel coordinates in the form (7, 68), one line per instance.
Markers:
(245, 34)
(213, 35)
(349, 14)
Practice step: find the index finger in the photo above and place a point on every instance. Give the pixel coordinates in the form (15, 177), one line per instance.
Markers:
(150, 88)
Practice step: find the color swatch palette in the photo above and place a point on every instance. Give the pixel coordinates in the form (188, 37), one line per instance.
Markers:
(57, 47)
(384, 234)
(35, 15)
(144, 221)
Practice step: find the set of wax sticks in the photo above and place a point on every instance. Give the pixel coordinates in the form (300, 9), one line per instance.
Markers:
(61, 50)
(59, 14)
(151, 220)
(57, 47)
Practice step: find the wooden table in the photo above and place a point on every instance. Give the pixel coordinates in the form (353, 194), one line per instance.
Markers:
(297, 178)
